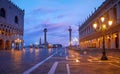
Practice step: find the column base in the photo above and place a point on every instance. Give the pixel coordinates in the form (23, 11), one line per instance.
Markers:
(104, 57)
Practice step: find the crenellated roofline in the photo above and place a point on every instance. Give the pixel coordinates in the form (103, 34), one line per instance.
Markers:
(9, 1)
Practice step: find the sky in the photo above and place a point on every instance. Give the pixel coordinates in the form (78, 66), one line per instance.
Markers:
(56, 16)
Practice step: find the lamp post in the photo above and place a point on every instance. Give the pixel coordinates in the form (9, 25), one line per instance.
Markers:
(102, 28)
(17, 41)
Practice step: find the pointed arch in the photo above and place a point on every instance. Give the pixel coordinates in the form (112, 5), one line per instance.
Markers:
(2, 12)
(16, 19)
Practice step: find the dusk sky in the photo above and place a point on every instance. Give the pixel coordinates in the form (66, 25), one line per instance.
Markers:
(58, 15)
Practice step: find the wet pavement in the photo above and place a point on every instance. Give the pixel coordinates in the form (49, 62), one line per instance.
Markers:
(58, 61)
(17, 61)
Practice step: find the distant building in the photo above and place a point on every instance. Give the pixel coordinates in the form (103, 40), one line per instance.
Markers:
(89, 38)
(57, 46)
(11, 25)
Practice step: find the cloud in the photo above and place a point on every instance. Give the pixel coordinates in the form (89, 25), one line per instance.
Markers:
(40, 27)
(60, 16)
(44, 10)
(55, 26)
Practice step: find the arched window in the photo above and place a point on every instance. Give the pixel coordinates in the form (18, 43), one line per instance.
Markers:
(16, 19)
(2, 12)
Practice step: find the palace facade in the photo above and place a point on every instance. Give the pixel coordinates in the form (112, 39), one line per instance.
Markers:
(11, 25)
(89, 37)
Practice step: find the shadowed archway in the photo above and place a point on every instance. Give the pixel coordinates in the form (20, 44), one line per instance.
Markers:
(1, 44)
(7, 44)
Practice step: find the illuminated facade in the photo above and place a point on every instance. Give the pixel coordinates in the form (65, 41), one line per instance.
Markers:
(11, 25)
(90, 38)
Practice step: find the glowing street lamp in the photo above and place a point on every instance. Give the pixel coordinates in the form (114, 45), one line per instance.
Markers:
(18, 41)
(110, 23)
(102, 19)
(103, 27)
(95, 25)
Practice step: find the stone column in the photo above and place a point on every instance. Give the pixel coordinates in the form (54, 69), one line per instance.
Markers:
(83, 45)
(118, 13)
(18, 46)
(92, 43)
(112, 42)
(10, 44)
(45, 37)
(119, 39)
(22, 44)
(70, 36)
(4, 44)
(98, 43)
(109, 43)
(14, 45)
(80, 44)
(101, 45)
